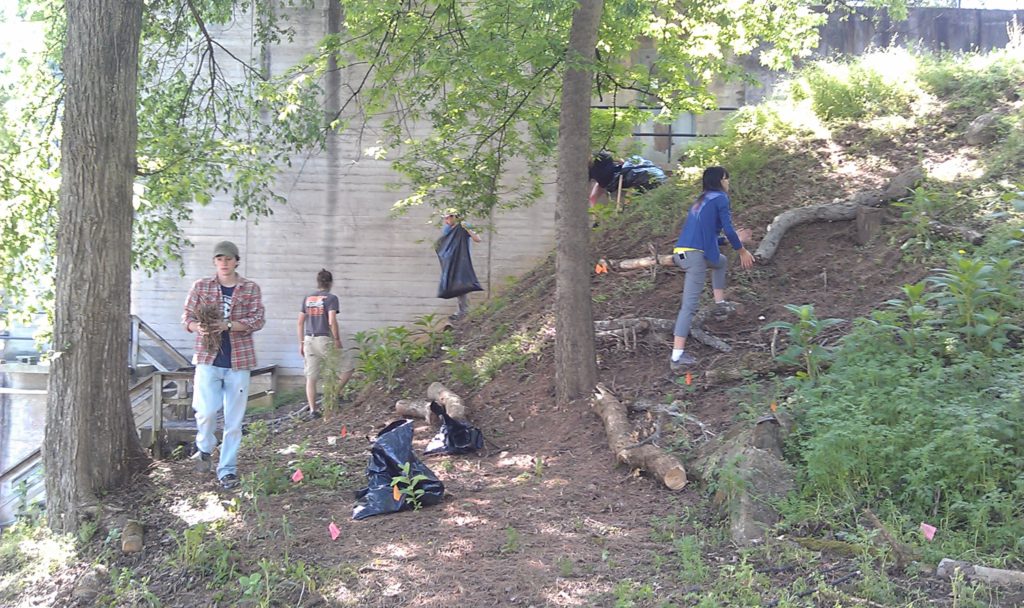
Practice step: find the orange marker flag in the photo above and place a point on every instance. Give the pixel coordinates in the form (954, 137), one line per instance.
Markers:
(344, 431)
(601, 268)
(773, 407)
(396, 493)
(689, 379)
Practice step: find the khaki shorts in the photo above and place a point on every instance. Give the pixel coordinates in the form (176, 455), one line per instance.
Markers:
(318, 347)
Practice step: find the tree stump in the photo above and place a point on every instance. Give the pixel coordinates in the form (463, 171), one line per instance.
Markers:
(868, 221)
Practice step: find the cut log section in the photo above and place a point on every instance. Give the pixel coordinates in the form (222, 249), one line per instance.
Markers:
(627, 329)
(835, 212)
(644, 457)
(956, 232)
(416, 408)
(993, 576)
(451, 401)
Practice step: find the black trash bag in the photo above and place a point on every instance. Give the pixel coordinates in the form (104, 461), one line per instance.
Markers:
(454, 436)
(391, 450)
(641, 174)
(457, 274)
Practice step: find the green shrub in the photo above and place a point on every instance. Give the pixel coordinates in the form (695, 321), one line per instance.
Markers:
(385, 351)
(875, 84)
(975, 82)
(920, 415)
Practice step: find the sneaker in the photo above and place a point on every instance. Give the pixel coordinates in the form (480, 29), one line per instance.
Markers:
(685, 360)
(306, 415)
(456, 317)
(229, 481)
(204, 463)
(723, 309)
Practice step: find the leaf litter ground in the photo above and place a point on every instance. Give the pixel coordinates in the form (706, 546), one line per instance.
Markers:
(543, 516)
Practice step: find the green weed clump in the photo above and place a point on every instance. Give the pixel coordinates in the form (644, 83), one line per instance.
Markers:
(920, 415)
(873, 85)
(976, 82)
(385, 351)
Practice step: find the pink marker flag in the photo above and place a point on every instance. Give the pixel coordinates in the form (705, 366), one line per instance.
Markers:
(335, 532)
(928, 531)
(297, 475)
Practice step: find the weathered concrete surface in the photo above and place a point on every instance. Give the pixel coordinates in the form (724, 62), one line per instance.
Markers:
(337, 217)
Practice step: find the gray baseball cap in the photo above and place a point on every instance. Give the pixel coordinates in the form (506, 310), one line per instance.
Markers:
(226, 248)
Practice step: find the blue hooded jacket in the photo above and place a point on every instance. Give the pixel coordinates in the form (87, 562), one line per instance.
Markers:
(709, 217)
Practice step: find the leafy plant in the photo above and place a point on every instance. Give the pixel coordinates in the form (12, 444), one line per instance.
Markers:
(409, 486)
(692, 568)
(910, 317)
(512, 540)
(321, 473)
(129, 590)
(212, 556)
(257, 433)
(875, 84)
(385, 351)
(972, 294)
(330, 376)
(918, 211)
(803, 334)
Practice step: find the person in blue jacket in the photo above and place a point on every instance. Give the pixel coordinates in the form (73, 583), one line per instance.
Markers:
(708, 226)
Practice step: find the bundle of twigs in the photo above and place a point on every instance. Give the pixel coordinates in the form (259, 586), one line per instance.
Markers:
(209, 315)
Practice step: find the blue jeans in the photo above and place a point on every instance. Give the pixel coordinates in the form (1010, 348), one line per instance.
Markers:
(696, 267)
(217, 388)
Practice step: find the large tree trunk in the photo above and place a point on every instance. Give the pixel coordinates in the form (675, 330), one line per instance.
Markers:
(575, 355)
(91, 442)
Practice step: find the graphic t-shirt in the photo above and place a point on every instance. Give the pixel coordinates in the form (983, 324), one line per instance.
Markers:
(316, 307)
(224, 354)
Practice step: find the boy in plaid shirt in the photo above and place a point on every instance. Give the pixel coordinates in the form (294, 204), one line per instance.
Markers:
(222, 374)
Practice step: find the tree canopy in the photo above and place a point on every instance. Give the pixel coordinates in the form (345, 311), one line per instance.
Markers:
(452, 93)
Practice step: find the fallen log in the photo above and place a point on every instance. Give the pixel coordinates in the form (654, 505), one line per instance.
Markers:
(643, 405)
(416, 408)
(835, 212)
(750, 365)
(638, 263)
(624, 329)
(956, 232)
(644, 457)
(993, 576)
(451, 401)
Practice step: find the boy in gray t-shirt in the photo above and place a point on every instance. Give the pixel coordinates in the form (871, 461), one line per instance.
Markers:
(318, 334)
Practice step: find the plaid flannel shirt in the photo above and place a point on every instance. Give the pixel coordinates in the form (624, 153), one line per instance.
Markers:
(246, 307)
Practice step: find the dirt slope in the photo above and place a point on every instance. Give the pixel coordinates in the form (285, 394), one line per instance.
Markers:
(543, 517)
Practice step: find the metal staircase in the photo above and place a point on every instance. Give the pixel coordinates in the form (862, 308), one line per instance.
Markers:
(155, 366)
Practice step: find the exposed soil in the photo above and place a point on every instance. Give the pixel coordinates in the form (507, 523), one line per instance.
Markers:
(543, 517)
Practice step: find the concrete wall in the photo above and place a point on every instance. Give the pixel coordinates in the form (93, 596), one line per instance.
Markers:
(337, 217)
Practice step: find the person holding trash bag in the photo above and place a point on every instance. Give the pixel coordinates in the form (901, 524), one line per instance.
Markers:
(458, 278)
(708, 225)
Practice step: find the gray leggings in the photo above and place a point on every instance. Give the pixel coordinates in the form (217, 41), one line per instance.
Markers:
(695, 266)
